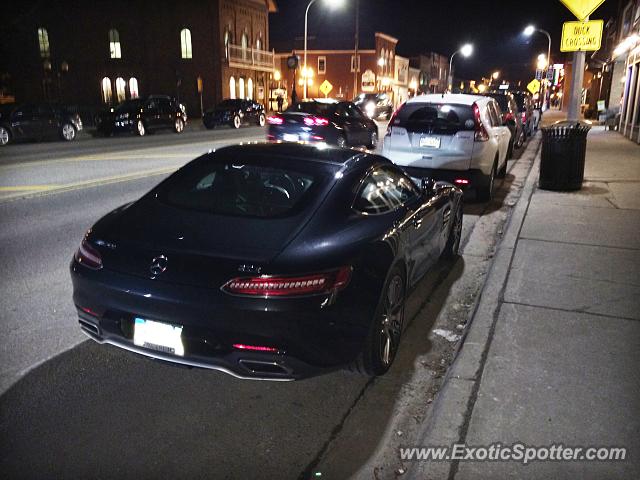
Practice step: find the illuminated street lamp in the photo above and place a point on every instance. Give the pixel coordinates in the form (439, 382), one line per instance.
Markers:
(465, 51)
(542, 62)
(530, 30)
(332, 4)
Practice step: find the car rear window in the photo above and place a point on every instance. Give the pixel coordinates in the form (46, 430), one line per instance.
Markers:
(242, 189)
(314, 108)
(503, 101)
(520, 99)
(445, 118)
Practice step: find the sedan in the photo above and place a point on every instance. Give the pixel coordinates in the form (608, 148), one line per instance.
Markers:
(37, 122)
(266, 261)
(235, 113)
(325, 121)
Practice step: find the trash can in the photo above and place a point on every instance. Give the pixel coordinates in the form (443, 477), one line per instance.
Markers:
(564, 145)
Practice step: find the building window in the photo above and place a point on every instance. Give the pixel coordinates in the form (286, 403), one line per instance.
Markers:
(185, 43)
(232, 87)
(121, 93)
(259, 43)
(241, 88)
(106, 90)
(322, 65)
(133, 88)
(227, 38)
(244, 43)
(114, 44)
(355, 65)
(43, 42)
(250, 89)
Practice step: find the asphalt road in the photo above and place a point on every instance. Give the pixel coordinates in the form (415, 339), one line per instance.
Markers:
(73, 409)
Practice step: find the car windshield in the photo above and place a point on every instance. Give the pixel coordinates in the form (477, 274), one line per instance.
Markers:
(314, 108)
(129, 105)
(364, 97)
(242, 188)
(446, 119)
(228, 104)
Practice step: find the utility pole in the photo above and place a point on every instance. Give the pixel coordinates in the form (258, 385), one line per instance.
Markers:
(577, 77)
(355, 51)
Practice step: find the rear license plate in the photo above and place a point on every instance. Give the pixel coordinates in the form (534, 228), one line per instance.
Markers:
(162, 337)
(289, 137)
(433, 142)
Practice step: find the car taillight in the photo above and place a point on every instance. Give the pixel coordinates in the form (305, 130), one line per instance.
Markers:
(316, 121)
(461, 181)
(275, 120)
(481, 134)
(392, 120)
(88, 256)
(524, 117)
(254, 348)
(287, 286)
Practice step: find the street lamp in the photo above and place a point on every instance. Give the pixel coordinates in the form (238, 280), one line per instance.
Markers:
(332, 4)
(465, 51)
(530, 30)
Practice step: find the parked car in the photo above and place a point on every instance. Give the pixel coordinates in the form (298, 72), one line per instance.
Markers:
(271, 261)
(37, 122)
(454, 137)
(375, 105)
(235, 113)
(525, 109)
(329, 121)
(142, 115)
(511, 118)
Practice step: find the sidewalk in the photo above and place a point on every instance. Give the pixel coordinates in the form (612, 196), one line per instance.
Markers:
(553, 351)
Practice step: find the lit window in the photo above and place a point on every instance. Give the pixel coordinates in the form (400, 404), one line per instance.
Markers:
(227, 38)
(133, 88)
(250, 89)
(322, 65)
(244, 44)
(232, 87)
(355, 65)
(43, 42)
(114, 44)
(241, 88)
(259, 43)
(121, 93)
(185, 43)
(106, 90)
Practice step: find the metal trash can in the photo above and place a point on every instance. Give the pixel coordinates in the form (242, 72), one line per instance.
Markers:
(564, 146)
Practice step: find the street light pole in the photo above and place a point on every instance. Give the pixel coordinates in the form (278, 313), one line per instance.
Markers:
(450, 82)
(529, 31)
(306, 18)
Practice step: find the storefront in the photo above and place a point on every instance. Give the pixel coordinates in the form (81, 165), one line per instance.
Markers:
(630, 107)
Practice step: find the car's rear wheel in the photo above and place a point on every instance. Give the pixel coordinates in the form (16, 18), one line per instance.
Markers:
(381, 345)
(262, 120)
(5, 136)
(485, 193)
(455, 234)
(68, 132)
(341, 142)
(236, 122)
(179, 125)
(140, 129)
(373, 141)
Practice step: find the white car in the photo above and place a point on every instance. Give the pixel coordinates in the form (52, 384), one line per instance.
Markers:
(454, 137)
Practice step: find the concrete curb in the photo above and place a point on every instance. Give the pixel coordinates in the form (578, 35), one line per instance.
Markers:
(451, 411)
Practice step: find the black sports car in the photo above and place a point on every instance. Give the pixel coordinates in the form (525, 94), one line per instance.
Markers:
(235, 113)
(37, 121)
(142, 115)
(272, 261)
(324, 121)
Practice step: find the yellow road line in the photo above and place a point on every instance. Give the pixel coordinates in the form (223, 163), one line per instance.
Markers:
(51, 189)
(27, 188)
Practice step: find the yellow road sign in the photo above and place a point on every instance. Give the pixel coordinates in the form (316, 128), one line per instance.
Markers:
(581, 36)
(326, 87)
(582, 8)
(534, 86)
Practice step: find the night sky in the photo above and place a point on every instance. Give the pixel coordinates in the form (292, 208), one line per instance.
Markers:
(494, 27)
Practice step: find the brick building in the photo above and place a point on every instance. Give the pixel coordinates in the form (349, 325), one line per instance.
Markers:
(99, 53)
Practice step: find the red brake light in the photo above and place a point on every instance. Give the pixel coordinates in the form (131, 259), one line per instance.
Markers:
(392, 119)
(88, 256)
(255, 348)
(461, 181)
(316, 121)
(481, 133)
(286, 286)
(275, 120)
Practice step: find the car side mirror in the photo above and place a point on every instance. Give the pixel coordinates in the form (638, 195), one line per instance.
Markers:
(427, 185)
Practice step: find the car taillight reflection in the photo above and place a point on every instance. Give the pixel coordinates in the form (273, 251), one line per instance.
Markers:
(288, 286)
(88, 256)
(315, 121)
(275, 120)
(254, 348)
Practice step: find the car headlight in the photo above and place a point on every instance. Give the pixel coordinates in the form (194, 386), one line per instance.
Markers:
(370, 109)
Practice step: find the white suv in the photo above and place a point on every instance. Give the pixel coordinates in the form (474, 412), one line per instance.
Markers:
(454, 137)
